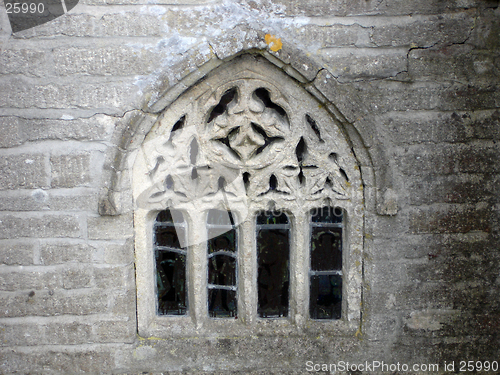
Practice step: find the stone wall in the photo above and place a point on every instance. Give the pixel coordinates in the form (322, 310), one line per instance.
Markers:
(424, 74)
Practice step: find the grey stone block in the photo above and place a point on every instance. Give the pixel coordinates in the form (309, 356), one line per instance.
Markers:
(20, 93)
(118, 61)
(433, 159)
(68, 333)
(111, 277)
(427, 32)
(119, 253)
(473, 159)
(21, 334)
(18, 130)
(77, 277)
(53, 303)
(115, 331)
(71, 25)
(12, 132)
(422, 126)
(129, 24)
(361, 7)
(385, 96)
(55, 200)
(70, 170)
(472, 188)
(58, 253)
(23, 171)
(123, 304)
(385, 276)
(450, 219)
(95, 128)
(359, 64)
(486, 33)
(335, 35)
(29, 279)
(110, 228)
(24, 61)
(15, 253)
(46, 225)
(457, 62)
(89, 360)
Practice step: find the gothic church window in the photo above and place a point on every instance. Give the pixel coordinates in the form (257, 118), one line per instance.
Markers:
(268, 199)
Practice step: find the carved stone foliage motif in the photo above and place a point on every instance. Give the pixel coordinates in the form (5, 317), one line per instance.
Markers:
(248, 138)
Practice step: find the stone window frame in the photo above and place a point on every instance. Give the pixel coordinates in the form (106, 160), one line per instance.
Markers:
(199, 322)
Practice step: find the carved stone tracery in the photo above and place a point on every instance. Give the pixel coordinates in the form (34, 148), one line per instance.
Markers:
(246, 139)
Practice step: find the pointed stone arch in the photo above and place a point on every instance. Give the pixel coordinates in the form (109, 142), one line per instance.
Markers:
(339, 100)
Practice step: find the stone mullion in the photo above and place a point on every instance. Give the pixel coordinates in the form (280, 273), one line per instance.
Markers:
(247, 284)
(299, 266)
(197, 234)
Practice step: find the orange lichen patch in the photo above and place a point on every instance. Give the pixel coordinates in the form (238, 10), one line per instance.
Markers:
(273, 42)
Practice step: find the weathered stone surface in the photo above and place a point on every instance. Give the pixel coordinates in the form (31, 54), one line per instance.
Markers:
(65, 252)
(24, 61)
(388, 96)
(16, 253)
(450, 219)
(12, 132)
(115, 331)
(18, 130)
(359, 7)
(333, 35)
(119, 61)
(457, 62)
(479, 160)
(56, 200)
(24, 171)
(104, 228)
(411, 127)
(486, 33)
(451, 189)
(73, 25)
(427, 32)
(70, 170)
(21, 334)
(435, 159)
(77, 277)
(13, 279)
(68, 333)
(19, 93)
(124, 304)
(119, 253)
(53, 303)
(358, 64)
(131, 24)
(44, 225)
(83, 361)
(111, 277)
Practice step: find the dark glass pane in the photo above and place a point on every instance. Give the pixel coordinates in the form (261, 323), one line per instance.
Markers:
(273, 274)
(272, 217)
(168, 236)
(220, 217)
(326, 297)
(221, 242)
(326, 249)
(170, 216)
(171, 283)
(222, 303)
(164, 216)
(222, 270)
(327, 215)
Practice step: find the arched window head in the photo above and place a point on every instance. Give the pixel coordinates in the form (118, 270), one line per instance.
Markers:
(245, 141)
